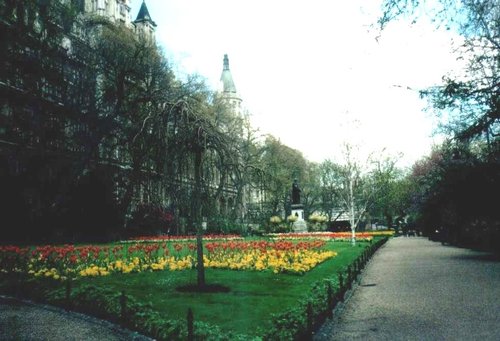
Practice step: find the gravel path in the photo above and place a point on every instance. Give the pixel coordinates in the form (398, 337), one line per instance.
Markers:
(22, 320)
(415, 289)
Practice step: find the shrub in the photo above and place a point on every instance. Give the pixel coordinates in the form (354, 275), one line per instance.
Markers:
(150, 219)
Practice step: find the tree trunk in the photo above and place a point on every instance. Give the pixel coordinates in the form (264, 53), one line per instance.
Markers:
(197, 217)
(353, 220)
(388, 218)
(130, 188)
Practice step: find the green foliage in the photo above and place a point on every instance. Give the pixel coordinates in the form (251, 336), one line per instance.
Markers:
(222, 225)
(293, 323)
(455, 189)
(280, 164)
(470, 100)
(392, 201)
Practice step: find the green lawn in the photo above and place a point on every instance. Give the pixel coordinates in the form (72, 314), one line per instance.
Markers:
(245, 309)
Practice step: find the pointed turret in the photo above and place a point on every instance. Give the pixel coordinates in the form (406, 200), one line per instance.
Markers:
(226, 78)
(227, 88)
(143, 15)
(144, 25)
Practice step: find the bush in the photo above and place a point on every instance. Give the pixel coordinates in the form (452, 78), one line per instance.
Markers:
(223, 225)
(295, 323)
(151, 219)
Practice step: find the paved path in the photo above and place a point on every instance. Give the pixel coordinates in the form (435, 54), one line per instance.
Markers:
(415, 289)
(22, 320)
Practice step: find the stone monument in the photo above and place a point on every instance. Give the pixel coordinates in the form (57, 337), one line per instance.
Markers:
(297, 209)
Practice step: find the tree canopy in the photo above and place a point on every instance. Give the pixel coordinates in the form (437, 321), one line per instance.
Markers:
(454, 189)
(470, 98)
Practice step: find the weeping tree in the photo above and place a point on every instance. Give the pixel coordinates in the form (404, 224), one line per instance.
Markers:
(210, 149)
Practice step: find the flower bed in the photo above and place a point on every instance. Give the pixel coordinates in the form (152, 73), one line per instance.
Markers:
(282, 256)
(182, 238)
(68, 261)
(336, 236)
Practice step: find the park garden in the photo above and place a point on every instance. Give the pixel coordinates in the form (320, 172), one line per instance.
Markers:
(274, 286)
(95, 151)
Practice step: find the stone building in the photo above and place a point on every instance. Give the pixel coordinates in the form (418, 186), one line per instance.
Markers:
(46, 145)
(44, 134)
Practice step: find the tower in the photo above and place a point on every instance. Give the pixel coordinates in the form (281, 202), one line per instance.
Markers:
(228, 89)
(144, 25)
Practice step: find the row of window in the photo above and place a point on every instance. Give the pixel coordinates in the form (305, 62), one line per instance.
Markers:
(115, 9)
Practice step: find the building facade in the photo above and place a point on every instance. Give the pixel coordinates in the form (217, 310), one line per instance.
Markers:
(58, 166)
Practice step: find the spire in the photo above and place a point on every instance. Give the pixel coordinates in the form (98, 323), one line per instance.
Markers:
(226, 78)
(143, 15)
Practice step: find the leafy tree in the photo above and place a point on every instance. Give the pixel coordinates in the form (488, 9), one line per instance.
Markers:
(471, 100)
(330, 182)
(454, 192)
(390, 202)
(280, 164)
(133, 95)
(453, 188)
(311, 189)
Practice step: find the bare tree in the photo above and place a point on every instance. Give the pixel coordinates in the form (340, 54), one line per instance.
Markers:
(355, 183)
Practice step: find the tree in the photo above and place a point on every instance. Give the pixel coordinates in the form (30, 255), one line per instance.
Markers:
(311, 189)
(133, 96)
(355, 193)
(330, 184)
(390, 201)
(246, 167)
(454, 191)
(202, 135)
(354, 184)
(280, 165)
(446, 183)
(471, 100)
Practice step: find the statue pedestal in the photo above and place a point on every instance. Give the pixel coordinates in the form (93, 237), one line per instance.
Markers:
(300, 225)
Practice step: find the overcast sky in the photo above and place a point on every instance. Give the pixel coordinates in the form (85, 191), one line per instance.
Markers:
(314, 73)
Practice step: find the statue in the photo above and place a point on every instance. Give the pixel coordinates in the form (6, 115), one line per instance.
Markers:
(295, 193)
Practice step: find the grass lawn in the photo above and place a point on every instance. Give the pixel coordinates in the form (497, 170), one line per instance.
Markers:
(246, 308)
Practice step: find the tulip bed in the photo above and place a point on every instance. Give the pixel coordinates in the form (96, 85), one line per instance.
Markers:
(69, 261)
(333, 236)
(266, 276)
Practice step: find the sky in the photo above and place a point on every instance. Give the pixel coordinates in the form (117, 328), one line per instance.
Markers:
(315, 73)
